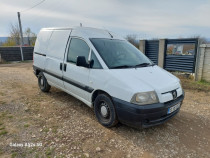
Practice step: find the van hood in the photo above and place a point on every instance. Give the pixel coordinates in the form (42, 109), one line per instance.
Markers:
(144, 79)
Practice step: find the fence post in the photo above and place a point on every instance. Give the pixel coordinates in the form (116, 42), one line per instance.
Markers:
(197, 60)
(200, 62)
(0, 57)
(142, 46)
(161, 53)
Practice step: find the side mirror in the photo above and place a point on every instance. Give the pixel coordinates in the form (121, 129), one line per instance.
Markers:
(91, 63)
(81, 61)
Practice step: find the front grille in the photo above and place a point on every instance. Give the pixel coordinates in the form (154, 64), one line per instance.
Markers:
(174, 101)
(170, 91)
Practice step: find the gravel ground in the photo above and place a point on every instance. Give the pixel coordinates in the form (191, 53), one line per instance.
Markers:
(55, 124)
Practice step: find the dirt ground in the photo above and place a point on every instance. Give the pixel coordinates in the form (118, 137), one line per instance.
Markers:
(55, 124)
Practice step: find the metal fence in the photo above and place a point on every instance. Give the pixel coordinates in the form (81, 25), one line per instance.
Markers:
(151, 50)
(14, 54)
(181, 60)
(175, 54)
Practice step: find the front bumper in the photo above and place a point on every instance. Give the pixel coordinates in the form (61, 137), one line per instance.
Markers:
(145, 115)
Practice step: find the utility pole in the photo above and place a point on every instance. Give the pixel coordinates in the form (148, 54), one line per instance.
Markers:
(21, 36)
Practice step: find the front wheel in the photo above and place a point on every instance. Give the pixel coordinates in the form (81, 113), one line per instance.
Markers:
(105, 111)
(42, 82)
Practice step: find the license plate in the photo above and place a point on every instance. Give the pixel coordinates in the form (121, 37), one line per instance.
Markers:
(173, 108)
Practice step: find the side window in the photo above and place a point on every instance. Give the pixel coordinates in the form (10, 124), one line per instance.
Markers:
(77, 48)
(96, 64)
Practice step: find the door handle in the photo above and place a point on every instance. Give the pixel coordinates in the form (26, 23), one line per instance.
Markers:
(61, 65)
(65, 65)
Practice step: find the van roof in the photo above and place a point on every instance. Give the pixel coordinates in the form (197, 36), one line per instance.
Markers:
(88, 32)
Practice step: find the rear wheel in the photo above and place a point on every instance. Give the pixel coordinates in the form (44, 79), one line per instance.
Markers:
(105, 111)
(42, 82)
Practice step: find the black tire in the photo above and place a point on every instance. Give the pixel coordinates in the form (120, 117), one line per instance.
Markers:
(103, 104)
(42, 82)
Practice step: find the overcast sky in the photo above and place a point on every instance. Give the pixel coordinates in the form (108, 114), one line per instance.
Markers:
(146, 18)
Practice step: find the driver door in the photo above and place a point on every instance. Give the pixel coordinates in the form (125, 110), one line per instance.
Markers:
(76, 79)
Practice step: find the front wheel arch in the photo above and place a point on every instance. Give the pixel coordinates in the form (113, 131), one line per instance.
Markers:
(96, 93)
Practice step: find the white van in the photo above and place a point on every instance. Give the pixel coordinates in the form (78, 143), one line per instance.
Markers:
(108, 74)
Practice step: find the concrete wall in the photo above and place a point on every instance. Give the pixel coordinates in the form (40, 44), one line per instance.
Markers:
(142, 46)
(13, 53)
(203, 64)
(161, 53)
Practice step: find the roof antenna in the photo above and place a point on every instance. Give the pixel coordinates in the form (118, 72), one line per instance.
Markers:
(110, 34)
(80, 24)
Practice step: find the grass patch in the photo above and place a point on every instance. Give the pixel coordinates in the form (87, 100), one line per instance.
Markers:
(2, 102)
(14, 155)
(32, 150)
(3, 132)
(1, 128)
(5, 62)
(10, 116)
(203, 82)
(26, 61)
(3, 114)
(46, 130)
(26, 125)
(37, 155)
(54, 129)
(2, 94)
(1, 123)
(49, 151)
(1, 152)
(189, 83)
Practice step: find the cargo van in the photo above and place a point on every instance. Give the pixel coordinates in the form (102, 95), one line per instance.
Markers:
(108, 74)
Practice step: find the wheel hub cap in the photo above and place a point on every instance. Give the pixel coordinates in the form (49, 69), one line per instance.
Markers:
(104, 110)
(42, 82)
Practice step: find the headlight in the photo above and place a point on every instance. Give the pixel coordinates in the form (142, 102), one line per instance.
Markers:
(145, 98)
(181, 86)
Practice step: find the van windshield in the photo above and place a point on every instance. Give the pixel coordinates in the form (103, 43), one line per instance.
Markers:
(120, 54)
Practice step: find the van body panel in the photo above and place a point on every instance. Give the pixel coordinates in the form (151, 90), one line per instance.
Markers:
(106, 81)
(40, 49)
(128, 81)
(76, 79)
(55, 56)
(148, 79)
(87, 33)
(71, 93)
(42, 41)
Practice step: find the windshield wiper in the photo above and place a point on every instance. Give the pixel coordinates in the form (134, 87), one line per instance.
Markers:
(144, 65)
(121, 66)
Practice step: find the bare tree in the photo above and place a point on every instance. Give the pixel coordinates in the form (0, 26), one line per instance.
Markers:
(15, 33)
(31, 36)
(202, 40)
(132, 38)
(14, 38)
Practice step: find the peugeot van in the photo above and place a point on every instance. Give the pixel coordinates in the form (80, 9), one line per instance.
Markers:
(108, 74)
